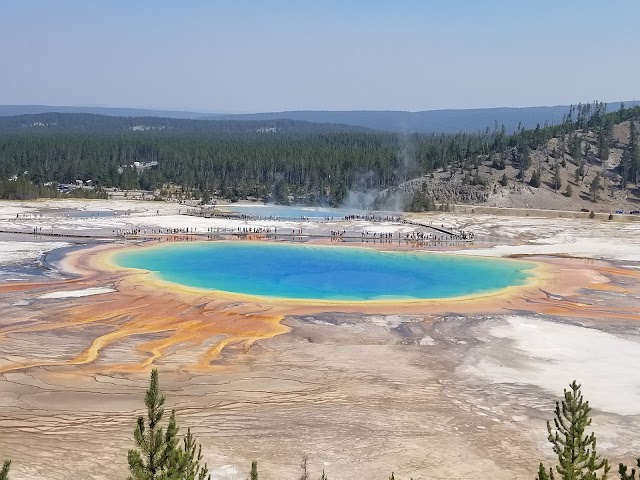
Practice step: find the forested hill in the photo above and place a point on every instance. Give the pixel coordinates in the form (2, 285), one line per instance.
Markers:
(438, 121)
(102, 124)
(591, 156)
(11, 110)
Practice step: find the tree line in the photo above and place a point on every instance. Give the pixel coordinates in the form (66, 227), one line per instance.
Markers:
(56, 122)
(313, 163)
(320, 168)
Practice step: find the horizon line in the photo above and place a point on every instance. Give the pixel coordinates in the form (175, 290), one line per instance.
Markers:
(200, 112)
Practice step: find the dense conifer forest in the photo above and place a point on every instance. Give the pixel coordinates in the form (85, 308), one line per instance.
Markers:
(316, 164)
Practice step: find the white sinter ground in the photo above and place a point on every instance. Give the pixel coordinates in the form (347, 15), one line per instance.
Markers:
(86, 292)
(549, 354)
(504, 235)
(13, 252)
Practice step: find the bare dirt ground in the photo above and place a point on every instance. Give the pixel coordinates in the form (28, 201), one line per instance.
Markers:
(450, 185)
(361, 395)
(444, 396)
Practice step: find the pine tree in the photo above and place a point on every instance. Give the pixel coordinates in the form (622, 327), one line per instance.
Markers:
(626, 166)
(524, 162)
(191, 455)
(634, 153)
(171, 455)
(542, 473)
(568, 191)
(323, 476)
(577, 454)
(4, 471)
(575, 149)
(622, 470)
(535, 179)
(603, 145)
(594, 187)
(557, 182)
(579, 174)
(504, 181)
(587, 151)
(153, 456)
(254, 470)
(304, 470)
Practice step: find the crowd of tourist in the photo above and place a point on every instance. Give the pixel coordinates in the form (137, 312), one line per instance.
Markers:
(425, 233)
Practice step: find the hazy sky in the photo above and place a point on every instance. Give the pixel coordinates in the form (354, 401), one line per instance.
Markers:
(271, 55)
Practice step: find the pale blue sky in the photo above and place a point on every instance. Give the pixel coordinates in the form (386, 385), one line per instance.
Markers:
(251, 56)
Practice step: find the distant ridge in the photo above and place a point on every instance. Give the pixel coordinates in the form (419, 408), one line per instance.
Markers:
(10, 110)
(431, 121)
(56, 122)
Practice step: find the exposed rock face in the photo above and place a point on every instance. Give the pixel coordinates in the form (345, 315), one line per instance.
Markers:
(446, 190)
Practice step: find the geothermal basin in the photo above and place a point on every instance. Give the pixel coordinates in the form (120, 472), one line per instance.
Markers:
(403, 378)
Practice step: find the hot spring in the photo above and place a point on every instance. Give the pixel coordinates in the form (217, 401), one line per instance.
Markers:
(297, 212)
(330, 273)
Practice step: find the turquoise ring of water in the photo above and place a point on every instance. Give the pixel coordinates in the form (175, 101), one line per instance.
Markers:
(325, 273)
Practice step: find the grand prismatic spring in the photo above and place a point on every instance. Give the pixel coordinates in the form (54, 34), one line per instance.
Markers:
(324, 273)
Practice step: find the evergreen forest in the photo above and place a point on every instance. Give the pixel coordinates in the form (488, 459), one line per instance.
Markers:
(279, 161)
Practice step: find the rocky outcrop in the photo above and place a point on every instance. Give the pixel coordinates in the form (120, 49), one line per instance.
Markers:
(445, 190)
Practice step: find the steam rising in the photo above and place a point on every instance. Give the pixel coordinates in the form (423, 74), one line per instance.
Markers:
(363, 197)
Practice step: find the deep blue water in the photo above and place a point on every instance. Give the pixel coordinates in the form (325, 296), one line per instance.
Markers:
(323, 272)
